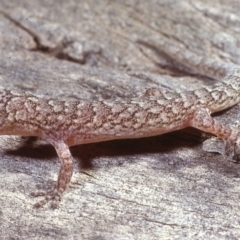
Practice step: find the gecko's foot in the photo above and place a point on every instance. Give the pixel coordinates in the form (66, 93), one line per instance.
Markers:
(52, 195)
(232, 148)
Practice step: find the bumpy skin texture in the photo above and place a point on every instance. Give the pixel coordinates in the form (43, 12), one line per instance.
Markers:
(69, 123)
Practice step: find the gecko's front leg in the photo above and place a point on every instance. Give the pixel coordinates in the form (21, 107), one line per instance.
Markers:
(64, 177)
(231, 137)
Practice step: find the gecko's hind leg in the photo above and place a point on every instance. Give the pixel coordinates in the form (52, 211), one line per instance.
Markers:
(64, 177)
(203, 121)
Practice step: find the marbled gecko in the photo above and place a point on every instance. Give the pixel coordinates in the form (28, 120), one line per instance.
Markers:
(68, 123)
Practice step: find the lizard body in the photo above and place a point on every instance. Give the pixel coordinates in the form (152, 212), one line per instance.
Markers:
(68, 123)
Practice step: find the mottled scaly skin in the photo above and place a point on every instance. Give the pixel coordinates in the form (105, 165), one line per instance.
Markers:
(67, 123)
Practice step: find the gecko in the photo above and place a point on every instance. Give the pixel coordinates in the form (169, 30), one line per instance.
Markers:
(66, 123)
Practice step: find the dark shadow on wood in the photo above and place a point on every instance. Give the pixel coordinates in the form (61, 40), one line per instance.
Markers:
(86, 153)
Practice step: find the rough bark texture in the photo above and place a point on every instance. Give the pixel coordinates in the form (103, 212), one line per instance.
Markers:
(163, 187)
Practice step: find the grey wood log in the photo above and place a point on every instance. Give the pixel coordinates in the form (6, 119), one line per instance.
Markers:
(162, 187)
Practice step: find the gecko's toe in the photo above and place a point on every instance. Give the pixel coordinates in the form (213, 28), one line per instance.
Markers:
(53, 196)
(232, 148)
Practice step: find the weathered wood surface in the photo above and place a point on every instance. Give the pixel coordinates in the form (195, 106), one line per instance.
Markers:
(164, 187)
